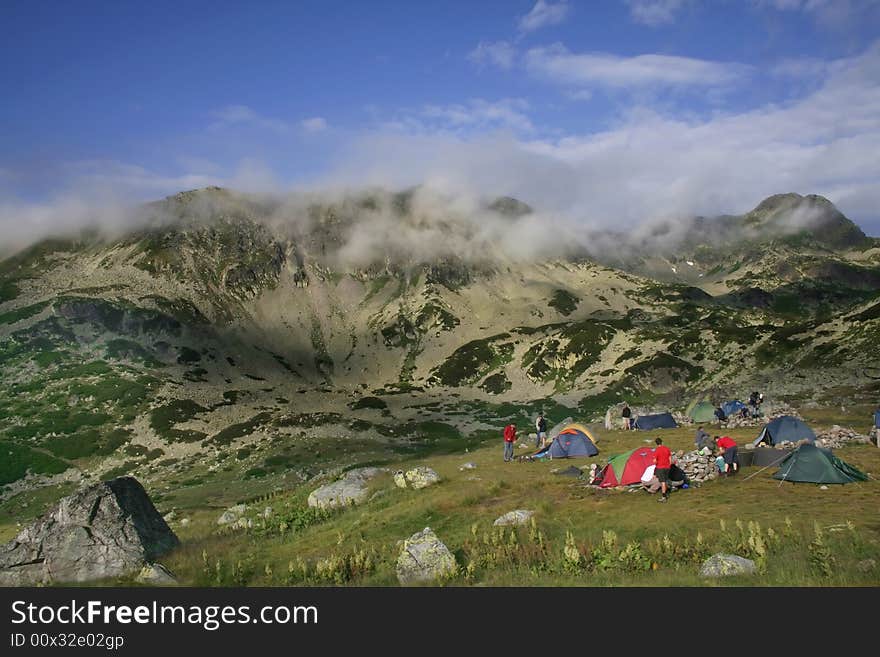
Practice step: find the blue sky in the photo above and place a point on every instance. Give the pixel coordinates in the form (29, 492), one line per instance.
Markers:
(605, 111)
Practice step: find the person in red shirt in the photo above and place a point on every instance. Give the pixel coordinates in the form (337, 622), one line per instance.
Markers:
(728, 448)
(509, 439)
(662, 463)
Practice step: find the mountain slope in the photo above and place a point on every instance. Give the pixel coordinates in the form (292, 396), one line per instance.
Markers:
(223, 323)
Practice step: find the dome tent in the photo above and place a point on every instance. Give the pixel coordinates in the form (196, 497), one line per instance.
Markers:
(814, 465)
(702, 412)
(784, 429)
(627, 468)
(572, 440)
(656, 421)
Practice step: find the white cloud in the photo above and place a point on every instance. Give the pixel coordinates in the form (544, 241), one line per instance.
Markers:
(652, 165)
(476, 115)
(314, 124)
(834, 14)
(544, 14)
(558, 64)
(654, 12)
(238, 115)
(498, 53)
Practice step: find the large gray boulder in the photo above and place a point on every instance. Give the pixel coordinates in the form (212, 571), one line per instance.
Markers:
(418, 477)
(424, 558)
(724, 565)
(109, 529)
(351, 489)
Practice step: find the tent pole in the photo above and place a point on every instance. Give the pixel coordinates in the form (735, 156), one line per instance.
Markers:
(765, 467)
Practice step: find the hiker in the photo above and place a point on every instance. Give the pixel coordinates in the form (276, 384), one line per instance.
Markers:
(509, 439)
(731, 462)
(627, 417)
(745, 414)
(662, 463)
(702, 439)
(719, 414)
(541, 427)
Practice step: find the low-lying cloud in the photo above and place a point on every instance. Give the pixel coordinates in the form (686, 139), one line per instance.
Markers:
(647, 167)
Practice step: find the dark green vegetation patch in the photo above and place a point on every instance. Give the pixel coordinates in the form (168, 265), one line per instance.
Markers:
(564, 302)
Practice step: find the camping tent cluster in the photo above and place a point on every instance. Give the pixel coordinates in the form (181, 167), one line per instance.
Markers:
(704, 411)
(806, 463)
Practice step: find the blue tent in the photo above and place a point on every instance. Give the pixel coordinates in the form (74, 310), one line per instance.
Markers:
(877, 418)
(732, 407)
(785, 428)
(658, 421)
(572, 440)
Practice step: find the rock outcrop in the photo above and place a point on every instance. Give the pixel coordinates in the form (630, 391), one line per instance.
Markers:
(110, 529)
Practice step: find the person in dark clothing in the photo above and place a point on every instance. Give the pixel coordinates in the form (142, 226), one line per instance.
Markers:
(627, 417)
(719, 414)
(541, 430)
(702, 439)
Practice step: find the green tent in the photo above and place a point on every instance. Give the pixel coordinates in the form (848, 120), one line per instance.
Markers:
(815, 465)
(702, 412)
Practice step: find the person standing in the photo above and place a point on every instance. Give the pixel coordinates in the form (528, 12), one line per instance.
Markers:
(731, 462)
(541, 428)
(509, 439)
(662, 464)
(626, 413)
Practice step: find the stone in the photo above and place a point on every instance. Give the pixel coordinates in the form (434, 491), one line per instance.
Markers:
(156, 574)
(468, 466)
(351, 489)
(424, 558)
(724, 565)
(867, 565)
(419, 477)
(232, 514)
(108, 529)
(517, 517)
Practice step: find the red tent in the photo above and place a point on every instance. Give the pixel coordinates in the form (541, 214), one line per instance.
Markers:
(628, 468)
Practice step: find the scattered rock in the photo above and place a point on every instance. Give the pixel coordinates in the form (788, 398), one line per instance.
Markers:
(424, 558)
(518, 517)
(468, 466)
(866, 565)
(232, 514)
(184, 522)
(156, 574)
(724, 565)
(838, 436)
(350, 489)
(823, 487)
(109, 529)
(419, 477)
